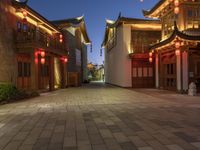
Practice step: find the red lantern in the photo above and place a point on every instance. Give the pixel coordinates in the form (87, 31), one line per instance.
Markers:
(36, 60)
(24, 13)
(177, 44)
(150, 59)
(61, 40)
(65, 60)
(42, 61)
(178, 52)
(176, 3)
(176, 10)
(42, 53)
(150, 54)
(24, 20)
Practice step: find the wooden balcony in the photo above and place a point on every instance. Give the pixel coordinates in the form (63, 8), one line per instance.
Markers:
(37, 39)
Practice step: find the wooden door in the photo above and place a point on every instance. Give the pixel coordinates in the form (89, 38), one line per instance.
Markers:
(168, 71)
(44, 74)
(142, 74)
(24, 71)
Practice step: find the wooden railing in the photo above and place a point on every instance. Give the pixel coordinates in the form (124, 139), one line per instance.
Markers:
(36, 36)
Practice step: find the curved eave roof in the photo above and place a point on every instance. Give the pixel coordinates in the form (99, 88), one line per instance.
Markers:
(146, 13)
(79, 21)
(176, 33)
(29, 9)
(125, 20)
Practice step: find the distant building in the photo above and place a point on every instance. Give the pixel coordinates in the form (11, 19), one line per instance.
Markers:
(78, 40)
(177, 55)
(33, 51)
(101, 73)
(126, 44)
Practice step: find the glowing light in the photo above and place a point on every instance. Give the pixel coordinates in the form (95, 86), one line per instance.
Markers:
(177, 52)
(176, 3)
(42, 53)
(150, 59)
(61, 40)
(42, 61)
(176, 10)
(150, 54)
(65, 60)
(25, 13)
(177, 44)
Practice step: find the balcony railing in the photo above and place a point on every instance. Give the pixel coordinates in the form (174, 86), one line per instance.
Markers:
(37, 37)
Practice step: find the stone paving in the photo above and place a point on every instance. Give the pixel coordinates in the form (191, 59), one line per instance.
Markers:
(100, 117)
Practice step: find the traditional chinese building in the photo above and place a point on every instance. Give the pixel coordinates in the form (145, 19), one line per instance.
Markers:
(76, 33)
(126, 44)
(177, 55)
(33, 51)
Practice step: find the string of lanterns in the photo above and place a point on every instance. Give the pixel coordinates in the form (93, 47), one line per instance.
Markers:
(42, 54)
(150, 57)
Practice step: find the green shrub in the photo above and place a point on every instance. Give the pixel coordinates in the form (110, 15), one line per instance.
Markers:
(7, 92)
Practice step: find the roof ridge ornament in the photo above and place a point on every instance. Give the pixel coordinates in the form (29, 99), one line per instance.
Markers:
(21, 1)
(120, 15)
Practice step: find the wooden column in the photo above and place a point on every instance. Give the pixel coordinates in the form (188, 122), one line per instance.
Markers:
(185, 81)
(157, 70)
(51, 72)
(178, 72)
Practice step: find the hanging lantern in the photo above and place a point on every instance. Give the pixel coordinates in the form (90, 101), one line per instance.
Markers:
(24, 20)
(177, 44)
(150, 54)
(150, 59)
(91, 48)
(61, 38)
(24, 13)
(176, 3)
(42, 53)
(65, 60)
(36, 54)
(176, 10)
(42, 61)
(177, 52)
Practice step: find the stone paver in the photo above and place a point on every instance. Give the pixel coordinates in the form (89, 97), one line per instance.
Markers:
(102, 117)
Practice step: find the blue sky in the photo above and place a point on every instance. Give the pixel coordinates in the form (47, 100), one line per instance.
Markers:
(95, 12)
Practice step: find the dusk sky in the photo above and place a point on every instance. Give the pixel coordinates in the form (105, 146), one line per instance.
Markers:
(95, 12)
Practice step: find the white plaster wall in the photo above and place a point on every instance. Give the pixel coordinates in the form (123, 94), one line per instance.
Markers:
(117, 62)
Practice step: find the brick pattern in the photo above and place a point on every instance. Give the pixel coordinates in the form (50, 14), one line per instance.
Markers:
(97, 117)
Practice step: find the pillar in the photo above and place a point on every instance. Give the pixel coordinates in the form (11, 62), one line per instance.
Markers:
(157, 70)
(185, 70)
(178, 72)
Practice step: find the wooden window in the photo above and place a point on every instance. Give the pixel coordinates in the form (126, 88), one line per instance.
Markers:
(139, 72)
(18, 26)
(150, 72)
(24, 69)
(145, 72)
(134, 72)
(45, 70)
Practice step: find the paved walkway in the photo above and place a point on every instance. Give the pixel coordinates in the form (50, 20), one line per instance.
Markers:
(99, 117)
